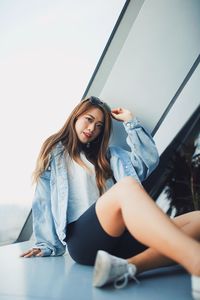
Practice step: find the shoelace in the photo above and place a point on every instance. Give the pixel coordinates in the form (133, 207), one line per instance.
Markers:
(122, 280)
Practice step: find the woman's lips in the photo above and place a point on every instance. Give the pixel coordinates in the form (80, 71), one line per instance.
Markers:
(87, 135)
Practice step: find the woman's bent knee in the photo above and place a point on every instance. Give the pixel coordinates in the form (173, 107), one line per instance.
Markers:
(128, 182)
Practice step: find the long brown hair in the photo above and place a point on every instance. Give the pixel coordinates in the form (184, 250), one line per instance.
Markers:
(96, 153)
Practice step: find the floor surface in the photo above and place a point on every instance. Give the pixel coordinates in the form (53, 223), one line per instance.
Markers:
(47, 278)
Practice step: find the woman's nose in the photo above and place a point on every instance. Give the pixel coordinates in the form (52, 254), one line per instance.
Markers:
(91, 127)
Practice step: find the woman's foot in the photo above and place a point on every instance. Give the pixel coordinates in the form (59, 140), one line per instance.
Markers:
(112, 269)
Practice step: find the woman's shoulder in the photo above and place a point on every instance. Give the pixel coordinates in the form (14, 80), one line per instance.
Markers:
(57, 149)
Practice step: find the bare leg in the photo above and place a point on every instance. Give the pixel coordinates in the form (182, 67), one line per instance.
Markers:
(130, 206)
(150, 258)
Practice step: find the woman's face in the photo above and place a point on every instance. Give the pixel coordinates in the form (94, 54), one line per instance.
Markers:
(89, 125)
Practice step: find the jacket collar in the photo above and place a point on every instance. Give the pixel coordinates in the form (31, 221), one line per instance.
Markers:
(59, 148)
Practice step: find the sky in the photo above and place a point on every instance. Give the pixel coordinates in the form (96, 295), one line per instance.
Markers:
(48, 52)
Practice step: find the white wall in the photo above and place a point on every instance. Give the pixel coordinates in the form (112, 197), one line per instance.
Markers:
(161, 47)
(185, 105)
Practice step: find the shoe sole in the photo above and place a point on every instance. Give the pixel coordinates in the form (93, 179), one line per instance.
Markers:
(101, 269)
(196, 295)
(196, 287)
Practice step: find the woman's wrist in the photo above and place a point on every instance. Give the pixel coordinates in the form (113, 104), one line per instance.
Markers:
(128, 118)
(131, 124)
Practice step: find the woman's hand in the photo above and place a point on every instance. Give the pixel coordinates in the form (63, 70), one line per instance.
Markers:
(32, 252)
(121, 114)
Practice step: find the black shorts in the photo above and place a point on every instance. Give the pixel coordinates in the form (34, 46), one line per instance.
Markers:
(86, 236)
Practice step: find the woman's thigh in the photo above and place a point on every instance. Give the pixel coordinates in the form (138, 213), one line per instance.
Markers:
(86, 236)
(125, 190)
(189, 223)
(187, 218)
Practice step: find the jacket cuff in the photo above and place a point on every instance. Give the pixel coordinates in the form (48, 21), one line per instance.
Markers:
(45, 250)
(134, 123)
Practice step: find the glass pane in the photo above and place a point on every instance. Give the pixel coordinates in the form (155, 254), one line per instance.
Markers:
(181, 188)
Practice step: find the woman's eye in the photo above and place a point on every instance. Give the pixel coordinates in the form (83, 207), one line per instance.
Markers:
(100, 126)
(89, 119)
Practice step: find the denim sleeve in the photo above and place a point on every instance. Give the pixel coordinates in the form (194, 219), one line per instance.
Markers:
(144, 154)
(43, 223)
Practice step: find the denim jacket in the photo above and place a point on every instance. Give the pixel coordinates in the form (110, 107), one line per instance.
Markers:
(50, 201)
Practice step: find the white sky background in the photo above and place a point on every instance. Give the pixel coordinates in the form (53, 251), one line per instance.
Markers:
(48, 52)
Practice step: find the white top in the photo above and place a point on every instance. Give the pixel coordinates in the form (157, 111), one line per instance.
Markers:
(83, 190)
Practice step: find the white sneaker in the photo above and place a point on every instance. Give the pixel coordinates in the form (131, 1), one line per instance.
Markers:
(195, 287)
(109, 268)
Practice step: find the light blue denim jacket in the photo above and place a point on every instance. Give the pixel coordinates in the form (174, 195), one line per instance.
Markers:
(51, 194)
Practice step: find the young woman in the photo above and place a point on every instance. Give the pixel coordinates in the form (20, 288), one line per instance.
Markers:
(89, 197)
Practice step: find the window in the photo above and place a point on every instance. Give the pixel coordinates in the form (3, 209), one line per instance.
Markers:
(175, 183)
